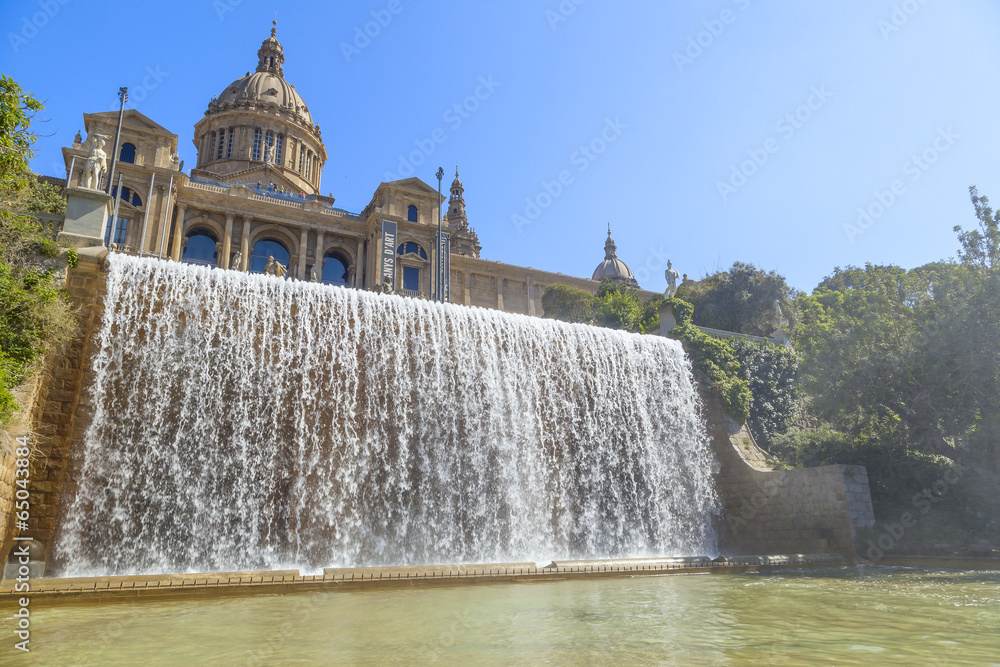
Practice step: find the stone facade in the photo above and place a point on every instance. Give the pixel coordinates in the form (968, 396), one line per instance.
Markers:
(256, 190)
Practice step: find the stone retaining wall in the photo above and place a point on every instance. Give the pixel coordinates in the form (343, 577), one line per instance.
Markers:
(811, 510)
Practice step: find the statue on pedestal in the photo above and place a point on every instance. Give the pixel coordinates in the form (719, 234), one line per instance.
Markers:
(313, 278)
(96, 164)
(671, 275)
(235, 264)
(270, 269)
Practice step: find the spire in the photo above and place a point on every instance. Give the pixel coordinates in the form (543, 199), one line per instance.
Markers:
(610, 249)
(271, 55)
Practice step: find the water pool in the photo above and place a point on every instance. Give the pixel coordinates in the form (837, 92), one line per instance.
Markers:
(846, 616)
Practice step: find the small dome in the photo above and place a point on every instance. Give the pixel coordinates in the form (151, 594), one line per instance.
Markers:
(612, 268)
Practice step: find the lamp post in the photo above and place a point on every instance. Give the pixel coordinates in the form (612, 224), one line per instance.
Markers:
(439, 283)
(123, 96)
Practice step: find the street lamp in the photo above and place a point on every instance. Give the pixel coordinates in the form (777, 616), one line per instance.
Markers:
(439, 287)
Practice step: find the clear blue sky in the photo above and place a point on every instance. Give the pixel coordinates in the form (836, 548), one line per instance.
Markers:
(883, 88)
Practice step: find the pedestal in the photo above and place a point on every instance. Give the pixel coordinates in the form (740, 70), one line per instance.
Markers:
(87, 213)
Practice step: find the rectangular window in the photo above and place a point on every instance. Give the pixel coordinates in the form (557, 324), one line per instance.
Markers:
(255, 153)
(222, 145)
(302, 159)
(308, 164)
(277, 149)
(229, 144)
(411, 278)
(119, 230)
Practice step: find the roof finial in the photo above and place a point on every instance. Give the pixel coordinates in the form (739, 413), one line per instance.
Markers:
(274, 24)
(609, 230)
(456, 170)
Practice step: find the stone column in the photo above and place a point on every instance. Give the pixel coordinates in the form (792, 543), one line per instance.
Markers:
(467, 297)
(227, 241)
(303, 246)
(245, 245)
(531, 297)
(175, 248)
(320, 242)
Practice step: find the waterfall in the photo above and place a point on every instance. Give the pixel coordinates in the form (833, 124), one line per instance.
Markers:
(243, 422)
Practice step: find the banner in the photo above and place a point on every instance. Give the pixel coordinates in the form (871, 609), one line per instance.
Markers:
(444, 252)
(387, 259)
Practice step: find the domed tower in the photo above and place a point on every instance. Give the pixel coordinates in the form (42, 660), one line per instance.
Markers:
(464, 241)
(260, 129)
(613, 268)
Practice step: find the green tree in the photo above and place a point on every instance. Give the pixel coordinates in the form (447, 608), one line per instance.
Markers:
(34, 314)
(569, 304)
(770, 370)
(740, 300)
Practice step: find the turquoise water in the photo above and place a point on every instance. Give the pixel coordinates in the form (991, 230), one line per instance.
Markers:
(850, 616)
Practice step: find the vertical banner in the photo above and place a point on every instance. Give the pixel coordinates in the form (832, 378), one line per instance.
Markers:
(444, 278)
(387, 259)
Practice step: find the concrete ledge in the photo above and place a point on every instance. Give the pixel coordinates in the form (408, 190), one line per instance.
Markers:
(99, 590)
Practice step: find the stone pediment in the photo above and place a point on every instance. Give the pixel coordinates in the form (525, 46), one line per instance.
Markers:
(413, 184)
(132, 120)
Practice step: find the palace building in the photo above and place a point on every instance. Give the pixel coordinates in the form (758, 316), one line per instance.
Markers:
(255, 193)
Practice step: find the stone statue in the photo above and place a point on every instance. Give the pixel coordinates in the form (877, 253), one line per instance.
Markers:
(280, 270)
(672, 275)
(97, 163)
(237, 258)
(267, 152)
(780, 321)
(270, 269)
(313, 278)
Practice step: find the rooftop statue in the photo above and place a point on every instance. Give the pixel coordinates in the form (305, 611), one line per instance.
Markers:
(672, 275)
(97, 163)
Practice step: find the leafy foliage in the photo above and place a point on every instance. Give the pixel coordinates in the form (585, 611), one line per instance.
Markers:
(35, 316)
(739, 300)
(569, 304)
(770, 371)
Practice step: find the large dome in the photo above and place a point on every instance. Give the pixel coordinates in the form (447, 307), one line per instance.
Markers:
(265, 88)
(612, 268)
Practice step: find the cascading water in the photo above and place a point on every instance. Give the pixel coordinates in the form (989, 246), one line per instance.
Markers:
(242, 422)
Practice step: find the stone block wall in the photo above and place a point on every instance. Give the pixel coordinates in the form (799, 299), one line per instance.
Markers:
(811, 510)
(61, 385)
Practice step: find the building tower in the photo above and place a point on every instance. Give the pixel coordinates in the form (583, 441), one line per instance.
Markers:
(259, 129)
(464, 241)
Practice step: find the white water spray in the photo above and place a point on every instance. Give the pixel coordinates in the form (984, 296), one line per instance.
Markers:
(242, 422)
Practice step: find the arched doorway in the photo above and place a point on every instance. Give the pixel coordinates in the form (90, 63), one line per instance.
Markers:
(200, 248)
(268, 248)
(335, 267)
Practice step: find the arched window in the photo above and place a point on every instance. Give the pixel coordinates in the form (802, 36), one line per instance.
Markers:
(411, 213)
(335, 267)
(255, 153)
(200, 248)
(128, 196)
(409, 248)
(268, 248)
(278, 145)
(229, 144)
(127, 154)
